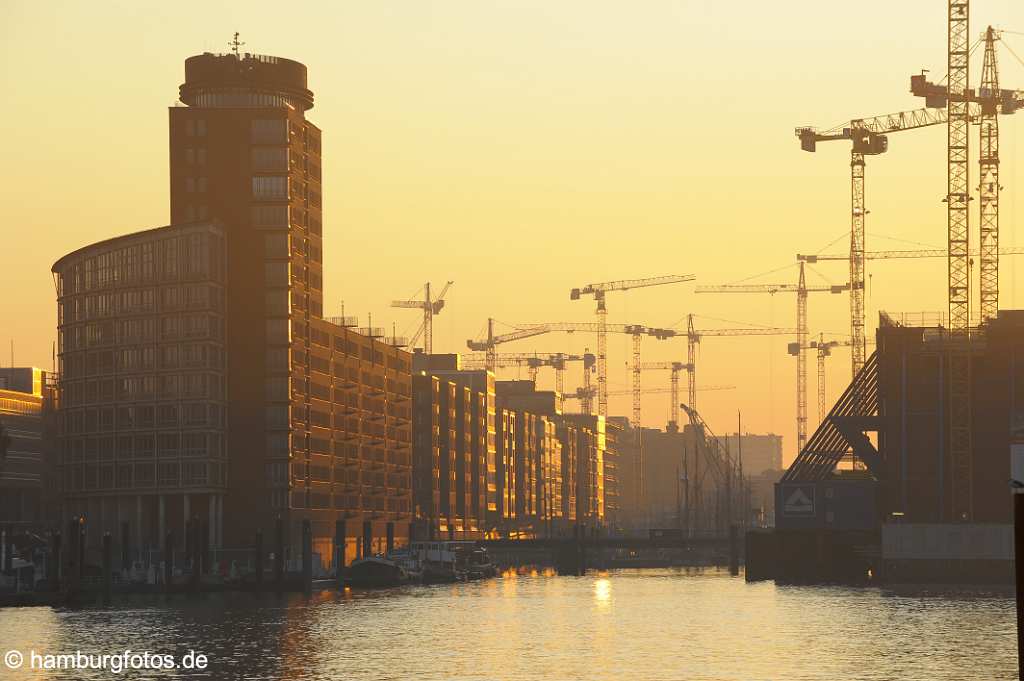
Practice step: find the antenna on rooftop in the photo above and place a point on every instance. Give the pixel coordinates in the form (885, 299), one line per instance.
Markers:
(235, 44)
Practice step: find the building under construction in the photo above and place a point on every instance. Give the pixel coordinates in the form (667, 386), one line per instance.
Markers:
(883, 468)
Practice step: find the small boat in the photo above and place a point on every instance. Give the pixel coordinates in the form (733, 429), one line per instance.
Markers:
(452, 561)
(478, 565)
(377, 572)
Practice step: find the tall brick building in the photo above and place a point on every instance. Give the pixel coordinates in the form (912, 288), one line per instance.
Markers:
(302, 418)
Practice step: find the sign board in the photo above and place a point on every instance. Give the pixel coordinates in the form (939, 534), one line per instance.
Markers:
(798, 501)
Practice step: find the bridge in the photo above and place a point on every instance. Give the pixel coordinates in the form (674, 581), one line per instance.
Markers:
(570, 553)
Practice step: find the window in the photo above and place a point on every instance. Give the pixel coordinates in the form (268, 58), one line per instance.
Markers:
(277, 388)
(276, 245)
(279, 331)
(272, 131)
(277, 302)
(277, 359)
(270, 187)
(270, 159)
(201, 156)
(201, 184)
(270, 216)
(277, 273)
(277, 417)
(200, 127)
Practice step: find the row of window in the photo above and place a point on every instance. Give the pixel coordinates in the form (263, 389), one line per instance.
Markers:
(109, 419)
(143, 446)
(181, 257)
(82, 308)
(188, 355)
(83, 478)
(129, 331)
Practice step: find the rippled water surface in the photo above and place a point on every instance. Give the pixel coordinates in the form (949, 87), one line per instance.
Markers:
(644, 624)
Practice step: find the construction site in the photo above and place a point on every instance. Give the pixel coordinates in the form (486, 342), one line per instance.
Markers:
(906, 475)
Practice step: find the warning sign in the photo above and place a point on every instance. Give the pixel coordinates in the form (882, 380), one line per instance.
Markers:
(798, 501)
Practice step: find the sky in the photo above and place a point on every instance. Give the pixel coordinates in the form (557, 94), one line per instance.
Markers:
(521, 148)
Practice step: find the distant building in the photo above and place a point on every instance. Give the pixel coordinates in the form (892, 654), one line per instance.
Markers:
(203, 379)
(760, 453)
(454, 433)
(28, 484)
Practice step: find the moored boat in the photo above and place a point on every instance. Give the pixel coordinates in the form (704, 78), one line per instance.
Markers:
(377, 572)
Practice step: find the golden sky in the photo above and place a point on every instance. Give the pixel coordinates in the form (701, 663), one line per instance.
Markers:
(520, 148)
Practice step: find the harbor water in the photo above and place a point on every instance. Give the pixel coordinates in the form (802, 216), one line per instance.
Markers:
(628, 624)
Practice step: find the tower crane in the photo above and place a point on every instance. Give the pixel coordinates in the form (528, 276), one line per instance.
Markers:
(674, 368)
(637, 331)
(694, 336)
(534, 361)
(956, 96)
(884, 255)
(580, 394)
(599, 291)
(430, 308)
(800, 347)
(601, 328)
(869, 138)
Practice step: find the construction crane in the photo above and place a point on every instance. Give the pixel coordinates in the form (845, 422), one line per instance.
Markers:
(799, 349)
(694, 336)
(637, 331)
(674, 368)
(720, 464)
(673, 391)
(599, 291)
(884, 255)
(869, 138)
(430, 308)
(533, 362)
(601, 328)
(983, 106)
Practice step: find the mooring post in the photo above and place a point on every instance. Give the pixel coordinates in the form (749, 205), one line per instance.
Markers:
(168, 559)
(259, 559)
(197, 552)
(125, 547)
(279, 553)
(734, 550)
(73, 574)
(108, 565)
(339, 552)
(54, 571)
(307, 557)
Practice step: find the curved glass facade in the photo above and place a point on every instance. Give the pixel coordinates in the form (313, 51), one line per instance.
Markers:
(142, 374)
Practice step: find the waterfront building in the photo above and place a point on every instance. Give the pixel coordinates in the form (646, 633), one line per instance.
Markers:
(454, 452)
(533, 482)
(28, 481)
(205, 381)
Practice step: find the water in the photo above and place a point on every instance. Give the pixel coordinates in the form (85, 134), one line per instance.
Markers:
(642, 624)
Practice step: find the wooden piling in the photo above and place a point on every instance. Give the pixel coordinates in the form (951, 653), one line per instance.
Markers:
(108, 565)
(307, 557)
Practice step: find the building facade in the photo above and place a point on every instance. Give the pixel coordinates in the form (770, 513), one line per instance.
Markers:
(28, 484)
(142, 432)
(302, 418)
(455, 432)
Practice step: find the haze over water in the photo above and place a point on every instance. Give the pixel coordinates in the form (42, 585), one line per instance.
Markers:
(650, 624)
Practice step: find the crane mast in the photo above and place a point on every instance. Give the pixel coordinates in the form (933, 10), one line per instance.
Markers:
(598, 291)
(868, 137)
(797, 349)
(988, 178)
(430, 307)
